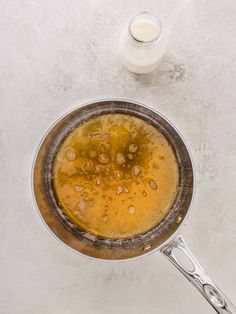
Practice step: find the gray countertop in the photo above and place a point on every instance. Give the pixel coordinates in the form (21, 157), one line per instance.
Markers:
(55, 55)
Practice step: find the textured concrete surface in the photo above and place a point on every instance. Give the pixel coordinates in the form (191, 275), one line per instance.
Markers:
(58, 54)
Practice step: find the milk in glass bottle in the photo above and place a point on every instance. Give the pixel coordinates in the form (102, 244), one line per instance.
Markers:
(143, 43)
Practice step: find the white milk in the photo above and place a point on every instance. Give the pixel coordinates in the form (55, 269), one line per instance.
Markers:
(144, 30)
(143, 44)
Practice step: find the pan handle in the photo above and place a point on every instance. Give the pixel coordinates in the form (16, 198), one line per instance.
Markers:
(197, 276)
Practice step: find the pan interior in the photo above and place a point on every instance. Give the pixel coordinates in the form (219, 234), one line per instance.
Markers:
(61, 223)
(116, 176)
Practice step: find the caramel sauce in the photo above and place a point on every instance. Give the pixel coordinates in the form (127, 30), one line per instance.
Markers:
(116, 176)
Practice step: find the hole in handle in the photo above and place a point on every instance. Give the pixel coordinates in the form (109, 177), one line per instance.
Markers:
(213, 296)
(183, 259)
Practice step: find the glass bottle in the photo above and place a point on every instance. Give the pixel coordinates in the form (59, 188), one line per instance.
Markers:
(143, 43)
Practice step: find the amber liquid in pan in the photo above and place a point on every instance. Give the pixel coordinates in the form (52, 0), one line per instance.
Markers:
(116, 176)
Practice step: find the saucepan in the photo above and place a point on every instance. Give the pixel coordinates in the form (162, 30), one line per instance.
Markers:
(165, 237)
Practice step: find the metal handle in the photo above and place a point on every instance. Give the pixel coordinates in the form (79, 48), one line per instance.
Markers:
(197, 276)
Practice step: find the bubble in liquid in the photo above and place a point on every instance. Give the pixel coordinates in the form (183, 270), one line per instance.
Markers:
(130, 156)
(85, 194)
(96, 135)
(110, 179)
(106, 135)
(133, 133)
(91, 176)
(144, 194)
(162, 157)
(120, 158)
(82, 205)
(102, 148)
(118, 174)
(119, 190)
(91, 202)
(100, 135)
(137, 171)
(82, 153)
(88, 165)
(105, 218)
(78, 188)
(107, 171)
(92, 153)
(103, 158)
(155, 165)
(125, 189)
(98, 181)
(127, 176)
(71, 154)
(150, 137)
(133, 148)
(98, 168)
(131, 210)
(153, 184)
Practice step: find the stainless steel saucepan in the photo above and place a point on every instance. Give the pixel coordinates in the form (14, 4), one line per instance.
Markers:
(164, 237)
